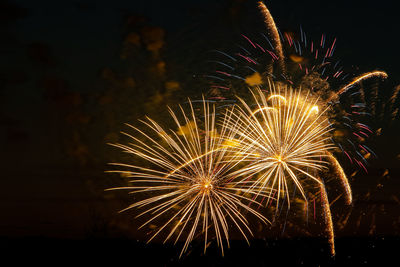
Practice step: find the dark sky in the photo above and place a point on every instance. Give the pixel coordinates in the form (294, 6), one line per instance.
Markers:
(45, 190)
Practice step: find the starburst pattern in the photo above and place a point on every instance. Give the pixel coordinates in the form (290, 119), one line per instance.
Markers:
(283, 138)
(187, 188)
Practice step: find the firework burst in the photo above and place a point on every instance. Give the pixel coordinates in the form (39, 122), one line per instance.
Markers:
(283, 138)
(298, 61)
(187, 188)
(274, 142)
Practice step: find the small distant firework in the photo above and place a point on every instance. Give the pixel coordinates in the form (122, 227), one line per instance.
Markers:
(187, 188)
(377, 209)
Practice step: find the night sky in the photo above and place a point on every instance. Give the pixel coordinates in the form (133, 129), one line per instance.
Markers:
(73, 72)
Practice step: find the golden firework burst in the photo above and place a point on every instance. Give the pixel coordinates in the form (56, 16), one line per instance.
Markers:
(283, 138)
(187, 188)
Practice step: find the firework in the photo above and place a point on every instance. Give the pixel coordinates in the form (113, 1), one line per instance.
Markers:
(187, 188)
(342, 177)
(349, 104)
(327, 217)
(283, 138)
(311, 65)
(274, 143)
(274, 34)
(360, 78)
